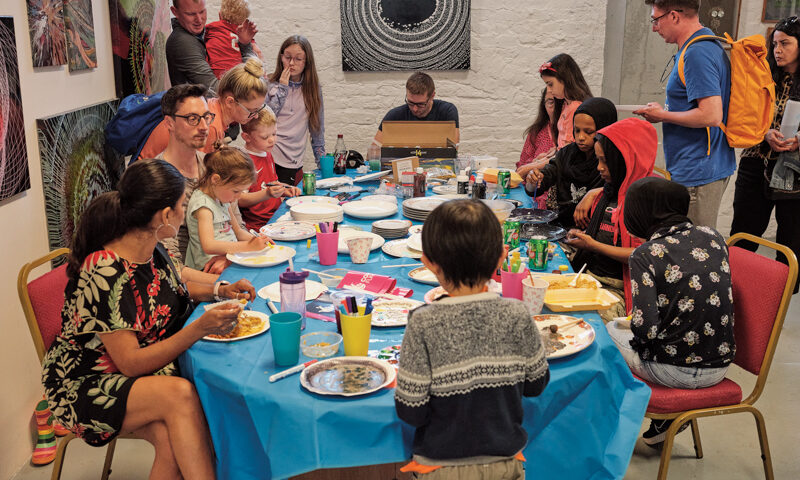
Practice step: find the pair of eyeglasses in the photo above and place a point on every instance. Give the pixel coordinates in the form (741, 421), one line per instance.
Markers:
(668, 68)
(193, 119)
(252, 113)
(297, 60)
(655, 20)
(416, 104)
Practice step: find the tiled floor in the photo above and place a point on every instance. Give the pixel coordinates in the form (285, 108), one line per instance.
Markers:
(730, 443)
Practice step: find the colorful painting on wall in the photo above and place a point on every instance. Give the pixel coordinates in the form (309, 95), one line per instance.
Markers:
(77, 166)
(139, 31)
(81, 51)
(14, 176)
(48, 38)
(382, 35)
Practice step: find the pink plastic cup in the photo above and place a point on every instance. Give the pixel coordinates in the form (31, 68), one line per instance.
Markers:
(328, 247)
(512, 283)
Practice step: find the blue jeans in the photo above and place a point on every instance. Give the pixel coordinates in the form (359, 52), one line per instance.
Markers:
(662, 373)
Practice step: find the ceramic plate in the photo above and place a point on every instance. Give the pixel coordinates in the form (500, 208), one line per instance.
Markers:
(444, 189)
(423, 204)
(399, 248)
(381, 198)
(273, 291)
(390, 354)
(289, 231)
(346, 189)
(415, 229)
(423, 275)
(454, 196)
(563, 343)
(347, 376)
(291, 202)
(371, 176)
(268, 257)
(434, 293)
(392, 224)
(250, 313)
(370, 209)
(377, 240)
(415, 242)
(333, 182)
(392, 313)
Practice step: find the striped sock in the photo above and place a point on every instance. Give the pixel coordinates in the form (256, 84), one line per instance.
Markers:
(45, 450)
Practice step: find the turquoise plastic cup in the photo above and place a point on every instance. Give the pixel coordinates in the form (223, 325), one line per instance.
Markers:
(285, 328)
(326, 165)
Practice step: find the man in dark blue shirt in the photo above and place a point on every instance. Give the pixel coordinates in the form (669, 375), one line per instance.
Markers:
(420, 106)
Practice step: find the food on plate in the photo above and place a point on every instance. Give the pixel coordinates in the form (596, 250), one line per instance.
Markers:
(563, 282)
(247, 325)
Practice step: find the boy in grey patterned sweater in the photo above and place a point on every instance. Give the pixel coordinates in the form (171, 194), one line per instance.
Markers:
(467, 359)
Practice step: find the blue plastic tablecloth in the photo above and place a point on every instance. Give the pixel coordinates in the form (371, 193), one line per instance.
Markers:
(584, 425)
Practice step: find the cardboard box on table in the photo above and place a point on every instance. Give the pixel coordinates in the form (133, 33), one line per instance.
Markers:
(431, 142)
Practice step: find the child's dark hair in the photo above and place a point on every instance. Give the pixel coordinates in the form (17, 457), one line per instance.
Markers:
(464, 239)
(231, 164)
(542, 121)
(146, 187)
(566, 70)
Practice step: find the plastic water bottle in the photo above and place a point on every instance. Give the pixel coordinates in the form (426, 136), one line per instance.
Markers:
(293, 293)
(340, 156)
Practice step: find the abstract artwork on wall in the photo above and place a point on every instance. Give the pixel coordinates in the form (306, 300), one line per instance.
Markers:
(48, 38)
(382, 35)
(139, 31)
(79, 23)
(76, 166)
(14, 176)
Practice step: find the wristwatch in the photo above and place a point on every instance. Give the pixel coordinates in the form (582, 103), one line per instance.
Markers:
(216, 289)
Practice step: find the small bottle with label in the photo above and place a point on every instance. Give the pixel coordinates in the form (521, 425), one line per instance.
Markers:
(479, 188)
(419, 182)
(462, 183)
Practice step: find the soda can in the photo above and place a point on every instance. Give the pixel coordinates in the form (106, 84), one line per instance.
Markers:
(503, 182)
(511, 233)
(309, 184)
(537, 252)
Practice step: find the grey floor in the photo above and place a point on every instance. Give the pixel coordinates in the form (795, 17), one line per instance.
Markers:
(730, 443)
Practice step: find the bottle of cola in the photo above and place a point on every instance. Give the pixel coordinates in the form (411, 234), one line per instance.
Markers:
(340, 157)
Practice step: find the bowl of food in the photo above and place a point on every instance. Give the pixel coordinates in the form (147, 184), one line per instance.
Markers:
(332, 276)
(501, 208)
(320, 344)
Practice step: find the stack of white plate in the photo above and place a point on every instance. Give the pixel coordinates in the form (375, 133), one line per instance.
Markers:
(317, 212)
(291, 202)
(418, 208)
(391, 228)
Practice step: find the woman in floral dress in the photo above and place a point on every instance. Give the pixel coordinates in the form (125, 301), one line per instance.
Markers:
(112, 369)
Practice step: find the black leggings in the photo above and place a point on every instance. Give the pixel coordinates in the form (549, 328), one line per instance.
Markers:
(752, 208)
(289, 176)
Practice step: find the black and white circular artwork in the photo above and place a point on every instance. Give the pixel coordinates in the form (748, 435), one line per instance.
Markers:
(382, 35)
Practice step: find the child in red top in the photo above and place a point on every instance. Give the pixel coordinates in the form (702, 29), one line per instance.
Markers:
(259, 137)
(222, 38)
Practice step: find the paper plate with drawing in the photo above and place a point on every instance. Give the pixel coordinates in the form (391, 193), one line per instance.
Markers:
(382, 35)
(139, 31)
(81, 52)
(76, 166)
(48, 40)
(13, 154)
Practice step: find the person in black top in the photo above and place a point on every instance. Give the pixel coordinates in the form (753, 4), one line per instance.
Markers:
(420, 106)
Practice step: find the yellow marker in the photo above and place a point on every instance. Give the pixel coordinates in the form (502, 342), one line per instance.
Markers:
(308, 244)
(317, 227)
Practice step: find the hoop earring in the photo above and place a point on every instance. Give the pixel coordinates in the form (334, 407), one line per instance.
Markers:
(174, 230)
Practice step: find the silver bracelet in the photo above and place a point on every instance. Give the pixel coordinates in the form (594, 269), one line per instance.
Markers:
(216, 289)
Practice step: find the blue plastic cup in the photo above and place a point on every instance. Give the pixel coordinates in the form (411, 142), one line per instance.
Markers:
(285, 328)
(326, 165)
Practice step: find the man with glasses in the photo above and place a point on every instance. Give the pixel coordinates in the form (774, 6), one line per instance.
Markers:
(420, 105)
(696, 151)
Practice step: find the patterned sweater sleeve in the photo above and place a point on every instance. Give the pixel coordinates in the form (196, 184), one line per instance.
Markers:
(537, 372)
(645, 318)
(414, 378)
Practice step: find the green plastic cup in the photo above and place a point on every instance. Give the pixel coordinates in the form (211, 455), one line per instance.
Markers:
(285, 328)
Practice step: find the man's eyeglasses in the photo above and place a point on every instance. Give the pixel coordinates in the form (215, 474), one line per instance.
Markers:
(252, 113)
(417, 104)
(297, 60)
(193, 119)
(655, 20)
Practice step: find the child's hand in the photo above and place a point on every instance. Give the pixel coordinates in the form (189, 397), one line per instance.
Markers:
(276, 191)
(285, 76)
(246, 31)
(292, 192)
(534, 177)
(578, 239)
(258, 242)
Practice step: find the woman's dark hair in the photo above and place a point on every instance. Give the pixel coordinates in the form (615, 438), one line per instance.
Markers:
(146, 187)
(542, 120)
(311, 90)
(564, 68)
(464, 239)
(615, 163)
(790, 26)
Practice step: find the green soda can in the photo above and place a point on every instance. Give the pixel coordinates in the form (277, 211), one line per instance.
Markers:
(309, 184)
(537, 253)
(511, 233)
(503, 182)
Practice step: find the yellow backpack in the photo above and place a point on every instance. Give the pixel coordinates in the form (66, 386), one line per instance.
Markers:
(752, 102)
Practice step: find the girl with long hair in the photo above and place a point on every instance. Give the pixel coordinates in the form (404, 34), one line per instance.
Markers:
(565, 82)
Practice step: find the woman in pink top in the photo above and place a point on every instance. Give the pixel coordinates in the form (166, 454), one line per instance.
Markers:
(565, 82)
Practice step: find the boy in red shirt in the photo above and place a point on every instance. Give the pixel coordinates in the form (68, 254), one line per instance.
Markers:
(222, 39)
(259, 137)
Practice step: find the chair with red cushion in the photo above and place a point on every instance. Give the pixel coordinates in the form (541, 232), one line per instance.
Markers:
(759, 310)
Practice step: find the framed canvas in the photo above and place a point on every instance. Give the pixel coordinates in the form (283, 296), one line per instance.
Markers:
(79, 23)
(48, 36)
(776, 10)
(721, 16)
(14, 177)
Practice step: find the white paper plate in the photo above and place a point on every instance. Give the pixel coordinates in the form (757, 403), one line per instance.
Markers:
(371, 176)
(346, 189)
(369, 209)
(392, 313)
(289, 231)
(291, 202)
(273, 291)
(399, 248)
(333, 182)
(415, 242)
(570, 341)
(381, 198)
(265, 258)
(377, 240)
(263, 316)
(325, 377)
(423, 275)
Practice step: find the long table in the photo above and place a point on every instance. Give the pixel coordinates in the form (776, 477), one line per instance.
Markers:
(584, 424)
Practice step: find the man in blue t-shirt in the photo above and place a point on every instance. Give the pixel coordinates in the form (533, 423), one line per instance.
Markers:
(696, 151)
(420, 105)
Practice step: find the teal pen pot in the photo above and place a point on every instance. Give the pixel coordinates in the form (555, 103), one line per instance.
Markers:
(285, 328)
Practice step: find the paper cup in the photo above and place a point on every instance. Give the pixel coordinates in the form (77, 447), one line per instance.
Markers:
(359, 249)
(533, 294)
(328, 247)
(512, 283)
(355, 330)
(285, 331)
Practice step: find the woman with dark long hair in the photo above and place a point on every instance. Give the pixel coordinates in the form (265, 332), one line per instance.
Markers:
(565, 82)
(296, 97)
(760, 187)
(113, 367)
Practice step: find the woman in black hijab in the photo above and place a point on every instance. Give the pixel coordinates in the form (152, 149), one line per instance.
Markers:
(573, 170)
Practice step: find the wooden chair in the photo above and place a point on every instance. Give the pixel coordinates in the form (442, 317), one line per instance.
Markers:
(759, 310)
(42, 300)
